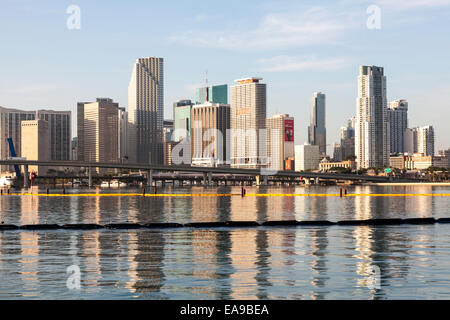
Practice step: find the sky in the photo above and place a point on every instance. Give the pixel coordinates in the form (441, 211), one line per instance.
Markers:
(297, 47)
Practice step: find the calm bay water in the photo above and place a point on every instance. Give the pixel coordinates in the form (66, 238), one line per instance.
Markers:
(245, 263)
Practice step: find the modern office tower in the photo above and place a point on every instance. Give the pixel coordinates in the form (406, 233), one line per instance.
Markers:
(248, 118)
(210, 123)
(10, 127)
(347, 143)
(80, 130)
(101, 132)
(307, 157)
(280, 141)
(425, 140)
(146, 111)
(317, 133)
(123, 134)
(398, 123)
(34, 145)
(215, 94)
(59, 132)
(182, 119)
(338, 152)
(371, 132)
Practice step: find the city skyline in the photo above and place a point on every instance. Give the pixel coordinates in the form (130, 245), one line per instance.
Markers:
(292, 68)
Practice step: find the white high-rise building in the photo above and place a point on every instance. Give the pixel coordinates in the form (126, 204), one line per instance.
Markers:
(146, 111)
(425, 140)
(307, 157)
(280, 141)
(317, 133)
(398, 123)
(248, 123)
(372, 142)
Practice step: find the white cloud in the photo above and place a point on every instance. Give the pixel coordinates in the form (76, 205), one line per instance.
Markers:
(316, 25)
(295, 63)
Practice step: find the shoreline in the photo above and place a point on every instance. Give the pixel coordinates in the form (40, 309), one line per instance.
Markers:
(442, 184)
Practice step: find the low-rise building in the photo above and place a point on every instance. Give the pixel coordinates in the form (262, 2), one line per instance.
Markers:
(326, 165)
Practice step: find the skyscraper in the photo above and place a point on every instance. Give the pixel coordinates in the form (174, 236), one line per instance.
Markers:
(146, 111)
(398, 123)
(280, 141)
(248, 120)
(425, 140)
(101, 132)
(371, 132)
(214, 94)
(317, 134)
(210, 123)
(35, 146)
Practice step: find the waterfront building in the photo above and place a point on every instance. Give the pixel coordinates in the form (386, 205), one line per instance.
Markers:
(11, 127)
(210, 123)
(182, 129)
(317, 134)
(214, 94)
(372, 142)
(248, 122)
(307, 157)
(398, 123)
(326, 165)
(34, 143)
(101, 132)
(280, 141)
(146, 111)
(419, 161)
(59, 133)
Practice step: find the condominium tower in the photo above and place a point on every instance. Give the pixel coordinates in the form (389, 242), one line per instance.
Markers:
(248, 121)
(317, 134)
(398, 123)
(371, 132)
(215, 94)
(35, 146)
(280, 141)
(59, 132)
(146, 111)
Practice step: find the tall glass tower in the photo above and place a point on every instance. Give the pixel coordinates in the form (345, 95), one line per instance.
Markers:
(317, 133)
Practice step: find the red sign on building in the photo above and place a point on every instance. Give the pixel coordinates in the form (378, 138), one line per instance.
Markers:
(288, 130)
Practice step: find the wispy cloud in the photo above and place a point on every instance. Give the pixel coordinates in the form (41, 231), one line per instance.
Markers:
(316, 25)
(296, 63)
(412, 4)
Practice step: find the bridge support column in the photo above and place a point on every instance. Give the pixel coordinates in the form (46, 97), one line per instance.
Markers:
(90, 177)
(258, 180)
(26, 183)
(150, 177)
(204, 178)
(265, 180)
(209, 178)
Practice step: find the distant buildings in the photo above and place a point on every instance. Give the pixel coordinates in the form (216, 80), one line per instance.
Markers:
(398, 123)
(418, 161)
(59, 132)
(419, 140)
(326, 165)
(345, 149)
(317, 134)
(307, 157)
(34, 144)
(214, 94)
(248, 118)
(210, 123)
(182, 129)
(371, 133)
(146, 111)
(280, 142)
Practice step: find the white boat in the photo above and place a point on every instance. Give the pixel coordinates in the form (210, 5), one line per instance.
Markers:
(113, 184)
(6, 181)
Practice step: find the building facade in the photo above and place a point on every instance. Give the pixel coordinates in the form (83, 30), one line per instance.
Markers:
(317, 134)
(248, 123)
(59, 133)
(398, 123)
(280, 141)
(307, 157)
(372, 141)
(146, 111)
(419, 140)
(214, 94)
(210, 124)
(101, 132)
(34, 145)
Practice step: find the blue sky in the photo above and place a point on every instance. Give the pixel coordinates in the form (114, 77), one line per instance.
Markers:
(298, 47)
